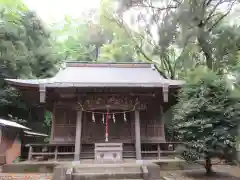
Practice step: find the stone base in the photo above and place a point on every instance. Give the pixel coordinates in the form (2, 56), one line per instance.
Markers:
(148, 171)
(29, 168)
(139, 161)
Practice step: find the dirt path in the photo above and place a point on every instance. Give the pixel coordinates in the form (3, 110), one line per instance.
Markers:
(9, 176)
(223, 172)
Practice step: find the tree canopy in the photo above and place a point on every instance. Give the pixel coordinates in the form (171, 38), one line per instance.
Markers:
(25, 52)
(207, 117)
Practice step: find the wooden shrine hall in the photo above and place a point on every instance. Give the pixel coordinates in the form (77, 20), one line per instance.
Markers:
(102, 110)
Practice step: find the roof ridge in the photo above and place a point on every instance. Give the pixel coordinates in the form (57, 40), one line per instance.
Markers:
(116, 65)
(110, 62)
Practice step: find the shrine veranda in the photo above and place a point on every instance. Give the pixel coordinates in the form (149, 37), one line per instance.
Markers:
(109, 104)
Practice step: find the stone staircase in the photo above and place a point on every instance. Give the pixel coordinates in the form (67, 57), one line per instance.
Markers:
(126, 171)
(106, 171)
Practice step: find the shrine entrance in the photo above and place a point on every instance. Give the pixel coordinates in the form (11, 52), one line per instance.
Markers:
(109, 130)
(112, 126)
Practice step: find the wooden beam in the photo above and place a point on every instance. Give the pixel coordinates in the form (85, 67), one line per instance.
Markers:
(165, 93)
(42, 90)
(78, 135)
(137, 136)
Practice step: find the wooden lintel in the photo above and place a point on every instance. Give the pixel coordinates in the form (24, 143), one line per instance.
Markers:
(117, 94)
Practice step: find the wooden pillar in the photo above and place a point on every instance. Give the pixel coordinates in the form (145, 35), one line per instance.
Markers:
(42, 90)
(30, 153)
(53, 124)
(159, 151)
(162, 122)
(137, 136)
(56, 153)
(78, 135)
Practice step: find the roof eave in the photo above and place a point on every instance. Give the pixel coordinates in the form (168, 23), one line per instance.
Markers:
(35, 133)
(16, 82)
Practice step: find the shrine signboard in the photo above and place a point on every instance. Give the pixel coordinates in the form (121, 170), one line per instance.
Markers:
(111, 102)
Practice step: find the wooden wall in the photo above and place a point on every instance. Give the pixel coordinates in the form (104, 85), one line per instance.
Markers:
(64, 127)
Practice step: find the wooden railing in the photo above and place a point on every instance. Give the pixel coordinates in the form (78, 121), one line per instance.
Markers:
(66, 151)
(50, 151)
(159, 150)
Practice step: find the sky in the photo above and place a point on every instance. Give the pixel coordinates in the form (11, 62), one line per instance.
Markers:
(54, 10)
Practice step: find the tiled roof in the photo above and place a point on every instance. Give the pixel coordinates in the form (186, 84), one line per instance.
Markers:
(102, 75)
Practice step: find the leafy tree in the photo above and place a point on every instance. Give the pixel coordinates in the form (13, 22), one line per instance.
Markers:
(180, 35)
(119, 47)
(25, 52)
(90, 39)
(206, 117)
(79, 39)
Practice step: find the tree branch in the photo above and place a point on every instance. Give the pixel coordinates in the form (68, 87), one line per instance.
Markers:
(223, 16)
(208, 2)
(137, 46)
(212, 12)
(159, 8)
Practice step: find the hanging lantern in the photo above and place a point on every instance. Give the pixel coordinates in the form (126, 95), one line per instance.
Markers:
(114, 119)
(124, 117)
(93, 117)
(103, 118)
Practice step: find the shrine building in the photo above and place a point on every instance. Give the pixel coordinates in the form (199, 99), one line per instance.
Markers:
(102, 104)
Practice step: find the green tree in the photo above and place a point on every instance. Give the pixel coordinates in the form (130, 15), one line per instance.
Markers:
(90, 39)
(206, 117)
(25, 52)
(185, 33)
(79, 39)
(119, 47)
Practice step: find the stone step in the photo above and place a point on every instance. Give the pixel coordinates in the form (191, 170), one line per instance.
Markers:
(104, 176)
(110, 169)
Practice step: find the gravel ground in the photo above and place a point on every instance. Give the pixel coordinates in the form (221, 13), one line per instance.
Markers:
(224, 172)
(8, 176)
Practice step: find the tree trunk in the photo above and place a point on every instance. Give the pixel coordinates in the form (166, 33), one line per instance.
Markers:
(206, 51)
(208, 166)
(205, 46)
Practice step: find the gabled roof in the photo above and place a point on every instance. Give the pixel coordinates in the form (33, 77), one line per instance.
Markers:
(4, 122)
(77, 74)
